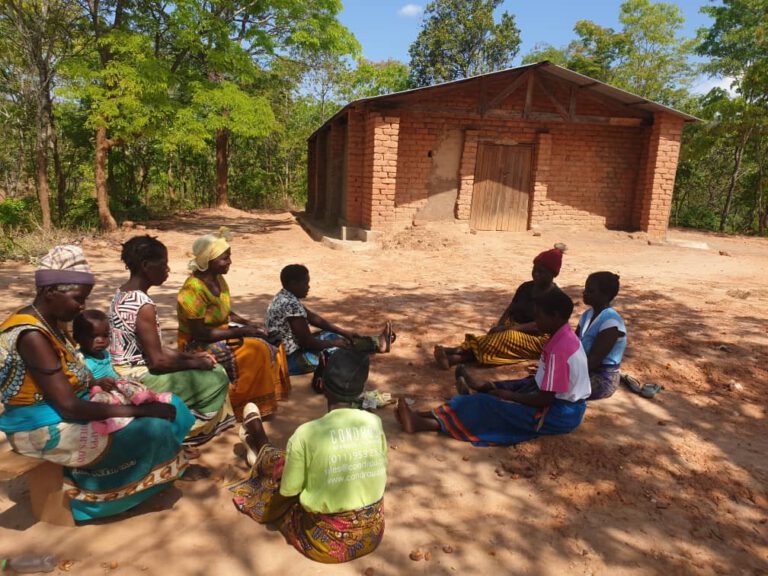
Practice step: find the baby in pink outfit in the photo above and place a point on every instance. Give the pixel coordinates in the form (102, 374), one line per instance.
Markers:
(127, 392)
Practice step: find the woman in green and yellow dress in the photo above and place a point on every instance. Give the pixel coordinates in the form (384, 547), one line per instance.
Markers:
(257, 368)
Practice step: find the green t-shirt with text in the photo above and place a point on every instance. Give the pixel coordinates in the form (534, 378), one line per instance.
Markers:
(337, 463)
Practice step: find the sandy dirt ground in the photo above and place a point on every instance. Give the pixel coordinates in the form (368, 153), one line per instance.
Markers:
(674, 485)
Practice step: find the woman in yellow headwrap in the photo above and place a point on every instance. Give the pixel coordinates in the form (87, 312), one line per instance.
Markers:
(257, 368)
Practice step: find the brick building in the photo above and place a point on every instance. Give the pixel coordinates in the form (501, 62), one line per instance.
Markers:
(531, 146)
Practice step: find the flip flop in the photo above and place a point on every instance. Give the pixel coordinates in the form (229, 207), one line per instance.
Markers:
(631, 383)
(650, 390)
(389, 336)
(644, 390)
(250, 412)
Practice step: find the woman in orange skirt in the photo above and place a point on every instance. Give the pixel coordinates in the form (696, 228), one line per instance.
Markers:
(257, 368)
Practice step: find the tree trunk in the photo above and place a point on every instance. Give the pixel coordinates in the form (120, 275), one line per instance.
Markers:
(61, 178)
(106, 220)
(170, 190)
(41, 160)
(737, 154)
(762, 206)
(222, 168)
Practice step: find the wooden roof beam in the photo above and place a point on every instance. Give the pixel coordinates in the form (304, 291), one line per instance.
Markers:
(529, 95)
(559, 107)
(506, 92)
(533, 116)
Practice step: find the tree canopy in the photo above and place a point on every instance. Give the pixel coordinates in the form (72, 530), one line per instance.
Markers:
(114, 110)
(461, 38)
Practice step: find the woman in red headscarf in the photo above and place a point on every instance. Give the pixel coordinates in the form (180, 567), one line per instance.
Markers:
(515, 336)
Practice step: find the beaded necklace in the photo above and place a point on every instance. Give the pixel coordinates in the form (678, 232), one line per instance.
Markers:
(58, 334)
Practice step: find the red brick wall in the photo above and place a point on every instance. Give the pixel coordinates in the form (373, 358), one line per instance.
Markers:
(654, 197)
(586, 174)
(355, 168)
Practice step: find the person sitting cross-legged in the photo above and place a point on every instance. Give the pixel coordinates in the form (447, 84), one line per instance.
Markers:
(602, 333)
(325, 491)
(289, 320)
(515, 411)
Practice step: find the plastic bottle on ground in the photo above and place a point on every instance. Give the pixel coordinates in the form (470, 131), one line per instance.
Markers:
(29, 564)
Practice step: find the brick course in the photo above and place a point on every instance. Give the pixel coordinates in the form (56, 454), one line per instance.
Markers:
(617, 172)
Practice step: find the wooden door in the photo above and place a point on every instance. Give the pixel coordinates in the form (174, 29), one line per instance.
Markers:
(502, 187)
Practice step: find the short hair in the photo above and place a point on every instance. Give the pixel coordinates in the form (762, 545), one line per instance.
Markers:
(140, 249)
(293, 273)
(82, 325)
(607, 283)
(555, 302)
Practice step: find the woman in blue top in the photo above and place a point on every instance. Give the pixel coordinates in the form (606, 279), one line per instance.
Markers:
(602, 333)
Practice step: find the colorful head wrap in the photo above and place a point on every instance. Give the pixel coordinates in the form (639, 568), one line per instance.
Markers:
(551, 259)
(208, 247)
(64, 265)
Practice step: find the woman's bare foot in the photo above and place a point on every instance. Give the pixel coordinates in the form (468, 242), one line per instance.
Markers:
(404, 416)
(442, 358)
(411, 422)
(463, 375)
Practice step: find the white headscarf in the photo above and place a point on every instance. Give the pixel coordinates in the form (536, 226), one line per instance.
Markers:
(209, 247)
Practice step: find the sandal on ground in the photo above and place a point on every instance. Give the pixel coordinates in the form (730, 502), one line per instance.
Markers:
(250, 412)
(195, 472)
(441, 358)
(650, 390)
(644, 390)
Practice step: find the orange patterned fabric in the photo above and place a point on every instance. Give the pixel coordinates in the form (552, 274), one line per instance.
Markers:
(17, 387)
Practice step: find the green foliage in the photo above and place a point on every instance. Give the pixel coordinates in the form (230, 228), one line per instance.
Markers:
(737, 45)
(459, 39)
(167, 79)
(647, 56)
(374, 79)
(698, 216)
(18, 214)
(81, 214)
(128, 93)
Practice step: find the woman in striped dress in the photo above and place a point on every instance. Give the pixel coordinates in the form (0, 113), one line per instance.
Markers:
(515, 336)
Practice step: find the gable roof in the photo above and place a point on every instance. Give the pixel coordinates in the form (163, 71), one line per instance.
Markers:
(582, 82)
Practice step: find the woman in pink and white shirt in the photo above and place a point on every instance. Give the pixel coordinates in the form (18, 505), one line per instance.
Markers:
(553, 402)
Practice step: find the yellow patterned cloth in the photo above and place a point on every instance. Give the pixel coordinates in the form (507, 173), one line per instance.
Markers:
(326, 538)
(258, 371)
(17, 387)
(505, 347)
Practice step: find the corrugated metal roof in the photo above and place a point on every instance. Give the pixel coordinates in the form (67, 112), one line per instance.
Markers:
(584, 82)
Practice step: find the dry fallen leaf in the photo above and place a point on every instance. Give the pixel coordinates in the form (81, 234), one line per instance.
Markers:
(66, 565)
(416, 555)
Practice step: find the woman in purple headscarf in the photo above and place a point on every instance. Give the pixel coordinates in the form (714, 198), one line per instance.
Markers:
(44, 387)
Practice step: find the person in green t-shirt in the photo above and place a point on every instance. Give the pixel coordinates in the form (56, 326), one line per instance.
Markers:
(325, 491)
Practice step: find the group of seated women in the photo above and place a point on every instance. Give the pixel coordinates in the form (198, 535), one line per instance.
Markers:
(573, 367)
(123, 413)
